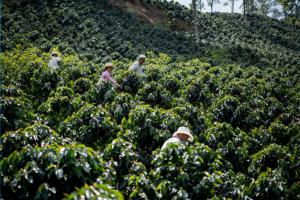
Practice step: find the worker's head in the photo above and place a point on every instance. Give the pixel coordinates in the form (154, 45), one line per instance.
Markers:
(54, 54)
(142, 59)
(184, 134)
(109, 67)
(183, 137)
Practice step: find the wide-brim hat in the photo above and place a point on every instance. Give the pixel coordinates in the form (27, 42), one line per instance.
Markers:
(54, 53)
(142, 57)
(108, 65)
(186, 131)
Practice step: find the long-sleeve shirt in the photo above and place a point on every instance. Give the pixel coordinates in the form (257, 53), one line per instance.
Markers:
(171, 140)
(54, 62)
(106, 76)
(137, 68)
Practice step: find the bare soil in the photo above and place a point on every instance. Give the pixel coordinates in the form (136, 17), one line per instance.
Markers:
(148, 13)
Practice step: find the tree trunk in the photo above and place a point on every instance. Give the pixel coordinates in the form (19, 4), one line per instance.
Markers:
(285, 15)
(297, 11)
(245, 11)
(200, 6)
(195, 20)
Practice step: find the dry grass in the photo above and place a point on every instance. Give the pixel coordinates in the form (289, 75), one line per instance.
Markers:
(148, 13)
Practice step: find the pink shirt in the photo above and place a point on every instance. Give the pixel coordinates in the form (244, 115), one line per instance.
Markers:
(106, 76)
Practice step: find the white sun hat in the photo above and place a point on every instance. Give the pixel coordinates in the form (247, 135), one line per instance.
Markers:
(108, 65)
(186, 131)
(54, 53)
(142, 57)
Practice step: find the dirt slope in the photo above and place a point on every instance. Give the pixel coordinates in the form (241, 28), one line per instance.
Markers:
(147, 12)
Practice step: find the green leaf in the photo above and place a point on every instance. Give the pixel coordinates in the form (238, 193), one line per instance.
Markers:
(38, 192)
(201, 160)
(218, 172)
(132, 177)
(133, 194)
(45, 193)
(59, 173)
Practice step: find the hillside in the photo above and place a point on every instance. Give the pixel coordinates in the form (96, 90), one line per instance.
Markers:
(150, 14)
(66, 136)
(99, 33)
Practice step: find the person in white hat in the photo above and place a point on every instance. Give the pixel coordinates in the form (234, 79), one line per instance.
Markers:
(106, 75)
(55, 61)
(137, 67)
(183, 134)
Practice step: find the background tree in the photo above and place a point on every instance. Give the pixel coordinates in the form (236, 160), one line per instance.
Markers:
(231, 4)
(292, 8)
(200, 5)
(211, 3)
(195, 20)
(244, 3)
(266, 7)
(277, 13)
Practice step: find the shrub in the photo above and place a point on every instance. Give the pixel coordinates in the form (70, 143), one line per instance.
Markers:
(155, 95)
(36, 135)
(43, 82)
(82, 85)
(190, 169)
(233, 185)
(120, 106)
(120, 154)
(240, 90)
(271, 109)
(91, 125)
(272, 184)
(282, 134)
(193, 116)
(90, 192)
(223, 110)
(258, 139)
(197, 93)
(218, 133)
(247, 118)
(171, 83)
(101, 93)
(154, 73)
(272, 157)
(13, 91)
(15, 114)
(48, 172)
(130, 81)
(149, 128)
(210, 80)
(73, 73)
(60, 104)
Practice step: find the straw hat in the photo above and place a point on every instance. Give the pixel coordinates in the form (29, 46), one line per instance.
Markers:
(108, 65)
(186, 131)
(142, 57)
(54, 53)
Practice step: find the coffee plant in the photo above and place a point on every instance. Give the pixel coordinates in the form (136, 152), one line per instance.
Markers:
(67, 135)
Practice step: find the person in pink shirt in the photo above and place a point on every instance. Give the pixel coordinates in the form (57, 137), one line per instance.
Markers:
(106, 75)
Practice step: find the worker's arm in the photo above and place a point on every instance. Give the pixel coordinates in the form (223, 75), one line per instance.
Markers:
(134, 67)
(58, 61)
(109, 78)
(143, 73)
